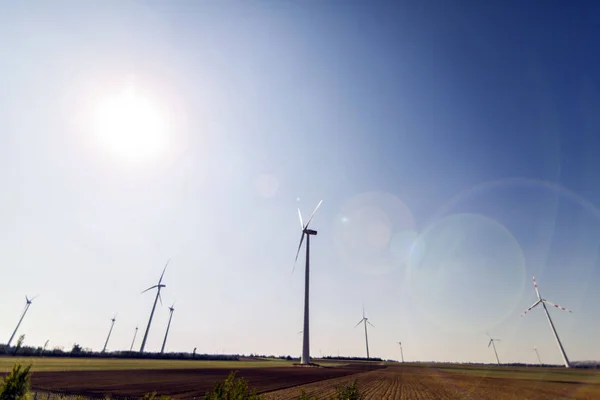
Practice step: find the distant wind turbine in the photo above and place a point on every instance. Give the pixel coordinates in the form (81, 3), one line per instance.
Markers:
(401, 352)
(45, 345)
(305, 358)
(543, 302)
(27, 305)
(109, 332)
(365, 320)
(171, 309)
(491, 343)
(133, 341)
(538, 355)
(159, 286)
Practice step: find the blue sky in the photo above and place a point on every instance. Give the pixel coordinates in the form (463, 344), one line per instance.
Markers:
(453, 145)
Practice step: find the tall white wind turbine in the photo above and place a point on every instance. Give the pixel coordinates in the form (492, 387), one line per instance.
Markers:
(171, 309)
(109, 332)
(543, 302)
(27, 305)
(492, 343)
(538, 355)
(365, 320)
(159, 286)
(305, 359)
(401, 352)
(133, 341)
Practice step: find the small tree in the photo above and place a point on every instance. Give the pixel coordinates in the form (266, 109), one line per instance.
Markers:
(16, 385)
(76, 350)
(232, 389)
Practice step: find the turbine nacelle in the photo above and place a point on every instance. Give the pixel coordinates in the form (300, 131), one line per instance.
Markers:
(310, 232)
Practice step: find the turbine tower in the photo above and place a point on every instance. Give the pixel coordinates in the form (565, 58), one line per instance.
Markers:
(543, 302)
(401, 352)
(305, 359)
(491, 343)
(538, 355)
(109, 332)
(27, 304)
(171, 309)
(159, 286)
(365, 320)
(133, 341)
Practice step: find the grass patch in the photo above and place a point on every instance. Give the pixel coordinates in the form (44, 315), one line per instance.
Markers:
(530, 373)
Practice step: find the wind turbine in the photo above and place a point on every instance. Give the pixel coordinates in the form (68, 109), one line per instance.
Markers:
(171, 309)
(159, 286)
(538, 355)
(491, 343)
(109, 332)
(27, 304)
(401, 352)
(133, 341)
(365, 320)
(305, 359)
(543, 302)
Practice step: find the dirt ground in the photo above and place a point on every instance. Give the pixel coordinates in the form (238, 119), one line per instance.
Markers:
(375, 382)
(182, 383)
(422, 383)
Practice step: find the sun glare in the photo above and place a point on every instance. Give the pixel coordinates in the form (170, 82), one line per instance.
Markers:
(131, 126)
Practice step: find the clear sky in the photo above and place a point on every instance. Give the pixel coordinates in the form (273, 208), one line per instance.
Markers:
(455, 146)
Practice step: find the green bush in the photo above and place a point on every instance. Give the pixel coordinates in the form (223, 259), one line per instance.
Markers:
(232, 389)
(304, 396)
(348, 392)
(16, 385)
(154, 396)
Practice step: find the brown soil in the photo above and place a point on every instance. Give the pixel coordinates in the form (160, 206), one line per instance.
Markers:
(421, 383)
(184, 383)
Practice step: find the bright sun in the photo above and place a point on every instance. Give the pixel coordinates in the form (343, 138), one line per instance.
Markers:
(131, 126)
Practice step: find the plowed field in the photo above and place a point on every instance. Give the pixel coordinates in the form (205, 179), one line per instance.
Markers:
(431, 383)
(182, 383)
(375, 382)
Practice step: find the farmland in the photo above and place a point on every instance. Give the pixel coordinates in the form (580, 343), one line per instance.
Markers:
(40, 364)
(279, 379)
(449, 382)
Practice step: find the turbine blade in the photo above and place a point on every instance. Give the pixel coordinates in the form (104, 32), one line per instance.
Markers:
(359, 322)
(313, 213)
(27, 299)
(301, 223)
(160, 297)
(370, 324)
(530, 308)
(299, 247)
(497, 340)
(556, 306)
(164, 269)
(535, 285)
(490, 343)
(150, 288)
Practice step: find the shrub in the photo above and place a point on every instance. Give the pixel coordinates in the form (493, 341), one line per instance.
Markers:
(348, 392)
(16, 385)
(232, 389)
(304, 396)
(154, 396)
